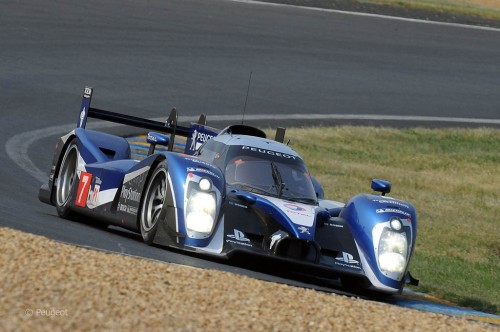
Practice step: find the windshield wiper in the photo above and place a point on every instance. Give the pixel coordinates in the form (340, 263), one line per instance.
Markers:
(277, 179)
(303, 200)
(249, 188)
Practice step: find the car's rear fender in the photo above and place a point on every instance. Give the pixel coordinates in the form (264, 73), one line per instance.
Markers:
(96, 146)
(47, 192)
(93, 147)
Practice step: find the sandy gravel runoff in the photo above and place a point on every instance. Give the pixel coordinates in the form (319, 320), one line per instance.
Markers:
(51, 286)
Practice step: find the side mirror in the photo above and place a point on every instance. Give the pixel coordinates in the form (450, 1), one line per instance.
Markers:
(156, 139)
(320, 194)
(381, 186)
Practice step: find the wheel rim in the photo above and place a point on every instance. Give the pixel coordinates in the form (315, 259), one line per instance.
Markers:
(67, 175)
(153, 202)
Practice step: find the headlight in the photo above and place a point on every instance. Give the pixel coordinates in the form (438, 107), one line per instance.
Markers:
(396, 224)
(200, 212)
(205, 184)
(392, 251)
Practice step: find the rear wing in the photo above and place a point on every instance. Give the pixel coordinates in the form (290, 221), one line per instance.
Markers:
(196, 134)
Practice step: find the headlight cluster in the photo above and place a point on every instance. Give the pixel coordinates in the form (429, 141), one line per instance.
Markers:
(201, 208)
(392, 251)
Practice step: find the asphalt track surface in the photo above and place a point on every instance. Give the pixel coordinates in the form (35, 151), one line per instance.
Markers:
(142, 58)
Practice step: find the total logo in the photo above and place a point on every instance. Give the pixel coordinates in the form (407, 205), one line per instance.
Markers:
(238, 237)
(294, 207)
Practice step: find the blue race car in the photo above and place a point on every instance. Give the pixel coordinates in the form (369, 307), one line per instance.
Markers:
(229, 192)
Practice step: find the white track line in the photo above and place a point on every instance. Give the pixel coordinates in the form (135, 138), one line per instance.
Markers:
(17, 146)
(395, 18)
(319, 117)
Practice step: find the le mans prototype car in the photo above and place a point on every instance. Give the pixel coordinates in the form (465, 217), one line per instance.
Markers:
(228, 192)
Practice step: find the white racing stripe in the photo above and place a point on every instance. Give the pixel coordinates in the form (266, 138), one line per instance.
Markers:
(395, 18)
(17, 146)
(104, 197)
(136, 173)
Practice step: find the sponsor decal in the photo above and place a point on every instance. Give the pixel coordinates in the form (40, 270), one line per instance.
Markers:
(127, 209)
(238, 204)
(83, 189)
(199, 161)
(152, 138)
(193, 140)
(269, 152)
(304, 230)
(87, 92)
(276, 237)
(202, 170)
(391, 201)
(389, 210)
(302, 215)
(238, 238)
(334, 225)
(199, 136)
(130, 194)
(94, 193)
(345, 259)
(293, 207)
(82, 117)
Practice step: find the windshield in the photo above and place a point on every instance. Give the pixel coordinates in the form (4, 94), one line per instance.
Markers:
(289, 181)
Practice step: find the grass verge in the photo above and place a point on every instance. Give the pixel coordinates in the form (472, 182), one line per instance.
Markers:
(451, 176)
(488, 9)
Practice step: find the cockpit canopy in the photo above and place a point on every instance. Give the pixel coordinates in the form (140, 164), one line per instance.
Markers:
(261, 170)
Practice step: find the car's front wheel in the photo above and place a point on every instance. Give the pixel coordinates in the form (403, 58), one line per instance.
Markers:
(66, 180)
(152, 202)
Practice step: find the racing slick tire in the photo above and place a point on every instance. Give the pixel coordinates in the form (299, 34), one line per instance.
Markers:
(152, 202)
(66, 179)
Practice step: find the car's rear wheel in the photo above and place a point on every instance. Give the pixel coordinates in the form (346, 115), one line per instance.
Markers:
(152, 202)
(66, 180)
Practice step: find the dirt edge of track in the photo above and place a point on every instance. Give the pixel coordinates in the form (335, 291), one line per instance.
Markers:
(48, 285)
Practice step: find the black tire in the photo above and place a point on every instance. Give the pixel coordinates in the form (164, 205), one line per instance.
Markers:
(66, 180)
(152, 202)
